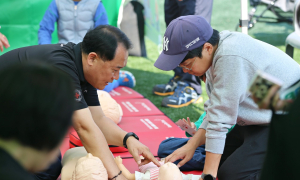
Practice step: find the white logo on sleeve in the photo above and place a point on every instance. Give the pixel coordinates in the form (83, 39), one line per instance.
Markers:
(166, 42)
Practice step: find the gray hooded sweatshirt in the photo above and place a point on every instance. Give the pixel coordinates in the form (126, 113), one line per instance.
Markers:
(235, 62)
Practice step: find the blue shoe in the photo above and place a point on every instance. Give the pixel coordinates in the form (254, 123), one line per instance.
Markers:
(166, 89)
(126, 78)
(183, 96)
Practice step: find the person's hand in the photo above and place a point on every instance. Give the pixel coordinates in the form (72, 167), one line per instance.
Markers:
(279, 104)
(266, 102)
(272, 100)
(185, 153)
(137, 149)
(3, 42)
(191, 124)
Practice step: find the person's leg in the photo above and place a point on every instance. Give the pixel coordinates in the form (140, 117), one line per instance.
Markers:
(186, 7)
(193, 81)
(171, 11)
(184, 97)
(52, 173)
(168, 146)
(244, 162)
(204, 9)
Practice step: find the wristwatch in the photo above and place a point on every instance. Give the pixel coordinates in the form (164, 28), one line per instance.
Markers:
(207, 177)
(127, 136)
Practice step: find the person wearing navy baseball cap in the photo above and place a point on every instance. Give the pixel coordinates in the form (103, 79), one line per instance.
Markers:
(227, 62)
(182, 36)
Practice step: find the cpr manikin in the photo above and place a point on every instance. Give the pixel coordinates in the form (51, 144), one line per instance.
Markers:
(150, 171)
(80, 165)
(110, 107)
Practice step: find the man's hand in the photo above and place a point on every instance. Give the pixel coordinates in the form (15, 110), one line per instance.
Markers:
(137, 149)
(3, 42)
(185, 153)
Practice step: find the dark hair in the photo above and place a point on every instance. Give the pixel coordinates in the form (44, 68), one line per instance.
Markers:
(214, 40)
(104, 40)
(37, 103)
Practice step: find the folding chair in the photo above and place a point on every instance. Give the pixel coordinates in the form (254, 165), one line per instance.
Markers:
(282, 9)
(293, 40)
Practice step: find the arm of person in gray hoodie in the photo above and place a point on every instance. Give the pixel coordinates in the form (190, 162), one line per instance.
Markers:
(231, 78)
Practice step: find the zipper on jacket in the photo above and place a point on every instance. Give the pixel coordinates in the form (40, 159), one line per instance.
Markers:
(75, 23)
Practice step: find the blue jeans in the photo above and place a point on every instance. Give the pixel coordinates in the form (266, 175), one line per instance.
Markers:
(168, 146)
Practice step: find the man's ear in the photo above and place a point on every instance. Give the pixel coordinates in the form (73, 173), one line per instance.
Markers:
(208, 47)
(91, 58)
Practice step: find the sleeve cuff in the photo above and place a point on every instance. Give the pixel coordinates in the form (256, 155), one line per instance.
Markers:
(215, 145)
(204, 124)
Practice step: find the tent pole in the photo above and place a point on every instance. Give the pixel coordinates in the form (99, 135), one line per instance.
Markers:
(244, 16)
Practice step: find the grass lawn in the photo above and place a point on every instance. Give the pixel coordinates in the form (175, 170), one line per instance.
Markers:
(225, 16)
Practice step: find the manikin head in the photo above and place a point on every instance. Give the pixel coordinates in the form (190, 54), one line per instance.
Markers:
(104, 53)
(36, 113)
(110, 107)
(169, 171)
(80, 165)
(89, 167)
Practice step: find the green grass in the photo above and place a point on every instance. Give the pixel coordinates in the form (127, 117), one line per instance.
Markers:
(225, 16)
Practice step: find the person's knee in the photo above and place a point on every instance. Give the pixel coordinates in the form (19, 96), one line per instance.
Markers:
(168, 146)
(164, 148)
(227, 172)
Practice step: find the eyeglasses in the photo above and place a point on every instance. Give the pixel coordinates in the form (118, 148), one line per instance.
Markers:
(189, 69)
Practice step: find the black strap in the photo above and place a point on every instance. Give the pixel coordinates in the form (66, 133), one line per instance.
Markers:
(115, 177)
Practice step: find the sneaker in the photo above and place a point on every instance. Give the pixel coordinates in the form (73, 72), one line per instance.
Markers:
(126, 78)
(183, 96)
(166, 89)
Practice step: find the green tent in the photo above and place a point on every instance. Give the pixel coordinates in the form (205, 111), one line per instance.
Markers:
(19, 20)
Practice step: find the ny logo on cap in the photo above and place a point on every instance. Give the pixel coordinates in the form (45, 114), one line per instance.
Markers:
(166, 42)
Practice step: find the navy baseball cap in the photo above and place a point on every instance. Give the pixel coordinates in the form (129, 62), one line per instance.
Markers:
(183, 34)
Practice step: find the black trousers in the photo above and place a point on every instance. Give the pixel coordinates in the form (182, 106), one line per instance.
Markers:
(244, 153)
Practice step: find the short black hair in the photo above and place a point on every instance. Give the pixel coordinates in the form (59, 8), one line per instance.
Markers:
(214, 40)
(104, 40)
(37, 104)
